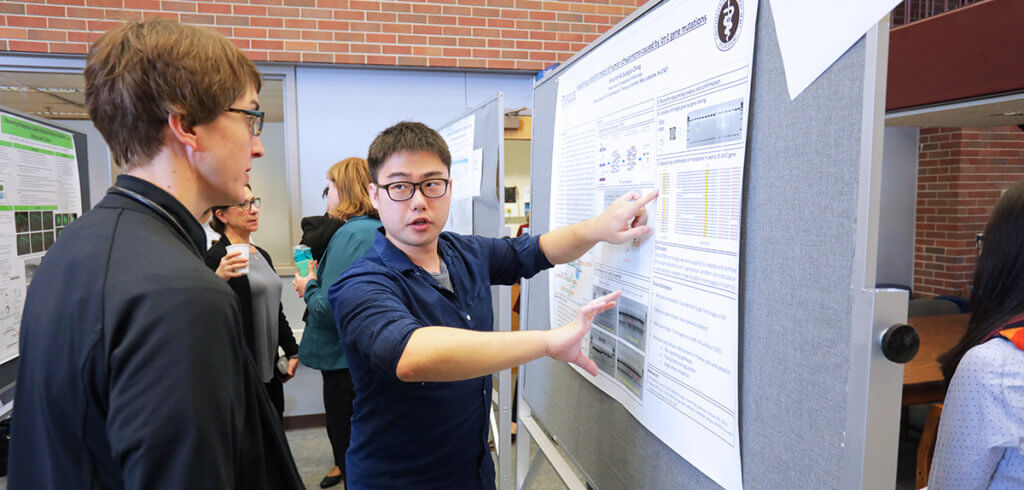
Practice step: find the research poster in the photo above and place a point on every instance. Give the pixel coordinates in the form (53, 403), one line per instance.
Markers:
(663, 104)
(39, 196)
(465, 172)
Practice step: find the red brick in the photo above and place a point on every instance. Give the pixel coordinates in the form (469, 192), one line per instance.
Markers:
(69, 48)
(66, 24)
(501, 64)
(24, 21)
(412, 61)
(390, 49)
(472, 21)
(426, 29)
(486, 12)
(441, 62)
(240, 43)
(196, 19)
(397, 28)
(283, 11)
(411, 18)
(299, 3)
(423, 8)
(266, 22)
(45, 10)
(317, 35)
(442, 41)
(174, 6)
(501, 23)
(523, 44)
(284, 56)
(412, 39)
(13, 33)
(317, 58)
(231, 20)
(250, 32)
(544, 36)
(283, 34)
(300, 46)
(300, 24)
(45, 35)
(457, 52)
(442, 20)
(267, 45)
(385, 17)
(395, 7)
(332, 25)
(471, 63)
(209, 8)
(83, 37)
(542, 15)
(501, 3)
(363, 5)
(334, 47)
(28, 46)
(486, 53)
(353, 59)
(351, 37)
(515, 34)
(105, 3)
(456, 31)
(515, 14)
(472, 42)
(365, 26)
(501, 43)
(427, 50)
(456, 10)
(381, 60)
(332, 4)
(253, 10)
(530, 65)
(12, 8)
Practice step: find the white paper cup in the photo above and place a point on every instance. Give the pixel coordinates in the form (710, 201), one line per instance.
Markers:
(244, 249)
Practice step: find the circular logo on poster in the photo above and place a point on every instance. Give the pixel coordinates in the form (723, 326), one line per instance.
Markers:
(729, 19)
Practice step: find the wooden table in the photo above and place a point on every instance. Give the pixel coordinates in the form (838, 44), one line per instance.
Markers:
(922, 378)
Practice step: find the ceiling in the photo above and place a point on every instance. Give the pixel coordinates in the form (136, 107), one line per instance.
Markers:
(985, 112)
(62, 95)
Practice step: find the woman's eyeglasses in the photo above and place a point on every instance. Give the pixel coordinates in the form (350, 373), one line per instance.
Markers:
(254, 203)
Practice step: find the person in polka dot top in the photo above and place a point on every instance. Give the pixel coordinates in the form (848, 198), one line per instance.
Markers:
(980, 442)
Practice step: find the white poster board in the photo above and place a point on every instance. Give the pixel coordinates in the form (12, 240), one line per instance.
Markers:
(40, 194)
(663, 107)
(466, 171)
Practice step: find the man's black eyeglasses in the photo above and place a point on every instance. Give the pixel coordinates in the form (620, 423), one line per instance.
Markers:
(254, 119)
(403, 191)
(244, 206)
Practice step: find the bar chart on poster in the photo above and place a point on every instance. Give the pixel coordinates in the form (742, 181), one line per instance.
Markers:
(40, 194)
(664, 108)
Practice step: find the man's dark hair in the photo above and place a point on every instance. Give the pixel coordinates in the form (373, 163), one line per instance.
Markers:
(406, 136)
(997, 295)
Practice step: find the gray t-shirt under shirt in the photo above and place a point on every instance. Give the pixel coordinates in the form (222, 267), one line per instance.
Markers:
(266, 304)
(444, 279)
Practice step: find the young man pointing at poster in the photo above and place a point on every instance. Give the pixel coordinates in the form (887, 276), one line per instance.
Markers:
(415, 317)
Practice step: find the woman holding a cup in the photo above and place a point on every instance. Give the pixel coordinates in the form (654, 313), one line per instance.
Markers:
(249, 271)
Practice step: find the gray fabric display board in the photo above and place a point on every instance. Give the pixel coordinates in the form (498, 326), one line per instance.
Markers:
(489, 220)
(797, 282)
(489, 136)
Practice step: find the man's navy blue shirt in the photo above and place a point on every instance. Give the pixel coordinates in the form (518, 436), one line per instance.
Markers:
(421, 435)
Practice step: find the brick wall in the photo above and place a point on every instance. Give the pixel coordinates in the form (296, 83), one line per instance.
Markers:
(492, 34)
(961, 175)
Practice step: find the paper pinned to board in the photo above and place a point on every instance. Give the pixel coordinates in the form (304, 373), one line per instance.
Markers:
(813, 34)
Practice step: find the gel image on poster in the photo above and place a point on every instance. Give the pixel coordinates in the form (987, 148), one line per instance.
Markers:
(47, 220)
(37, 242)
(24, 244)
(21, 221)
(35, 221)
(48, 239)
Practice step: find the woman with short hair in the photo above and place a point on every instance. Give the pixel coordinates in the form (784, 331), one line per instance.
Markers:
(264, 325)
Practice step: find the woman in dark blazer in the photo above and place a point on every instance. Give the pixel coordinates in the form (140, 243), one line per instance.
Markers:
(265, 327)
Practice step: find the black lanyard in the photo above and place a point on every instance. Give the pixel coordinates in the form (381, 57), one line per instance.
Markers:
(160, 210)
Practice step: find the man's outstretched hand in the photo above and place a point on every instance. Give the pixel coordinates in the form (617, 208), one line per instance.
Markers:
(565, 341)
